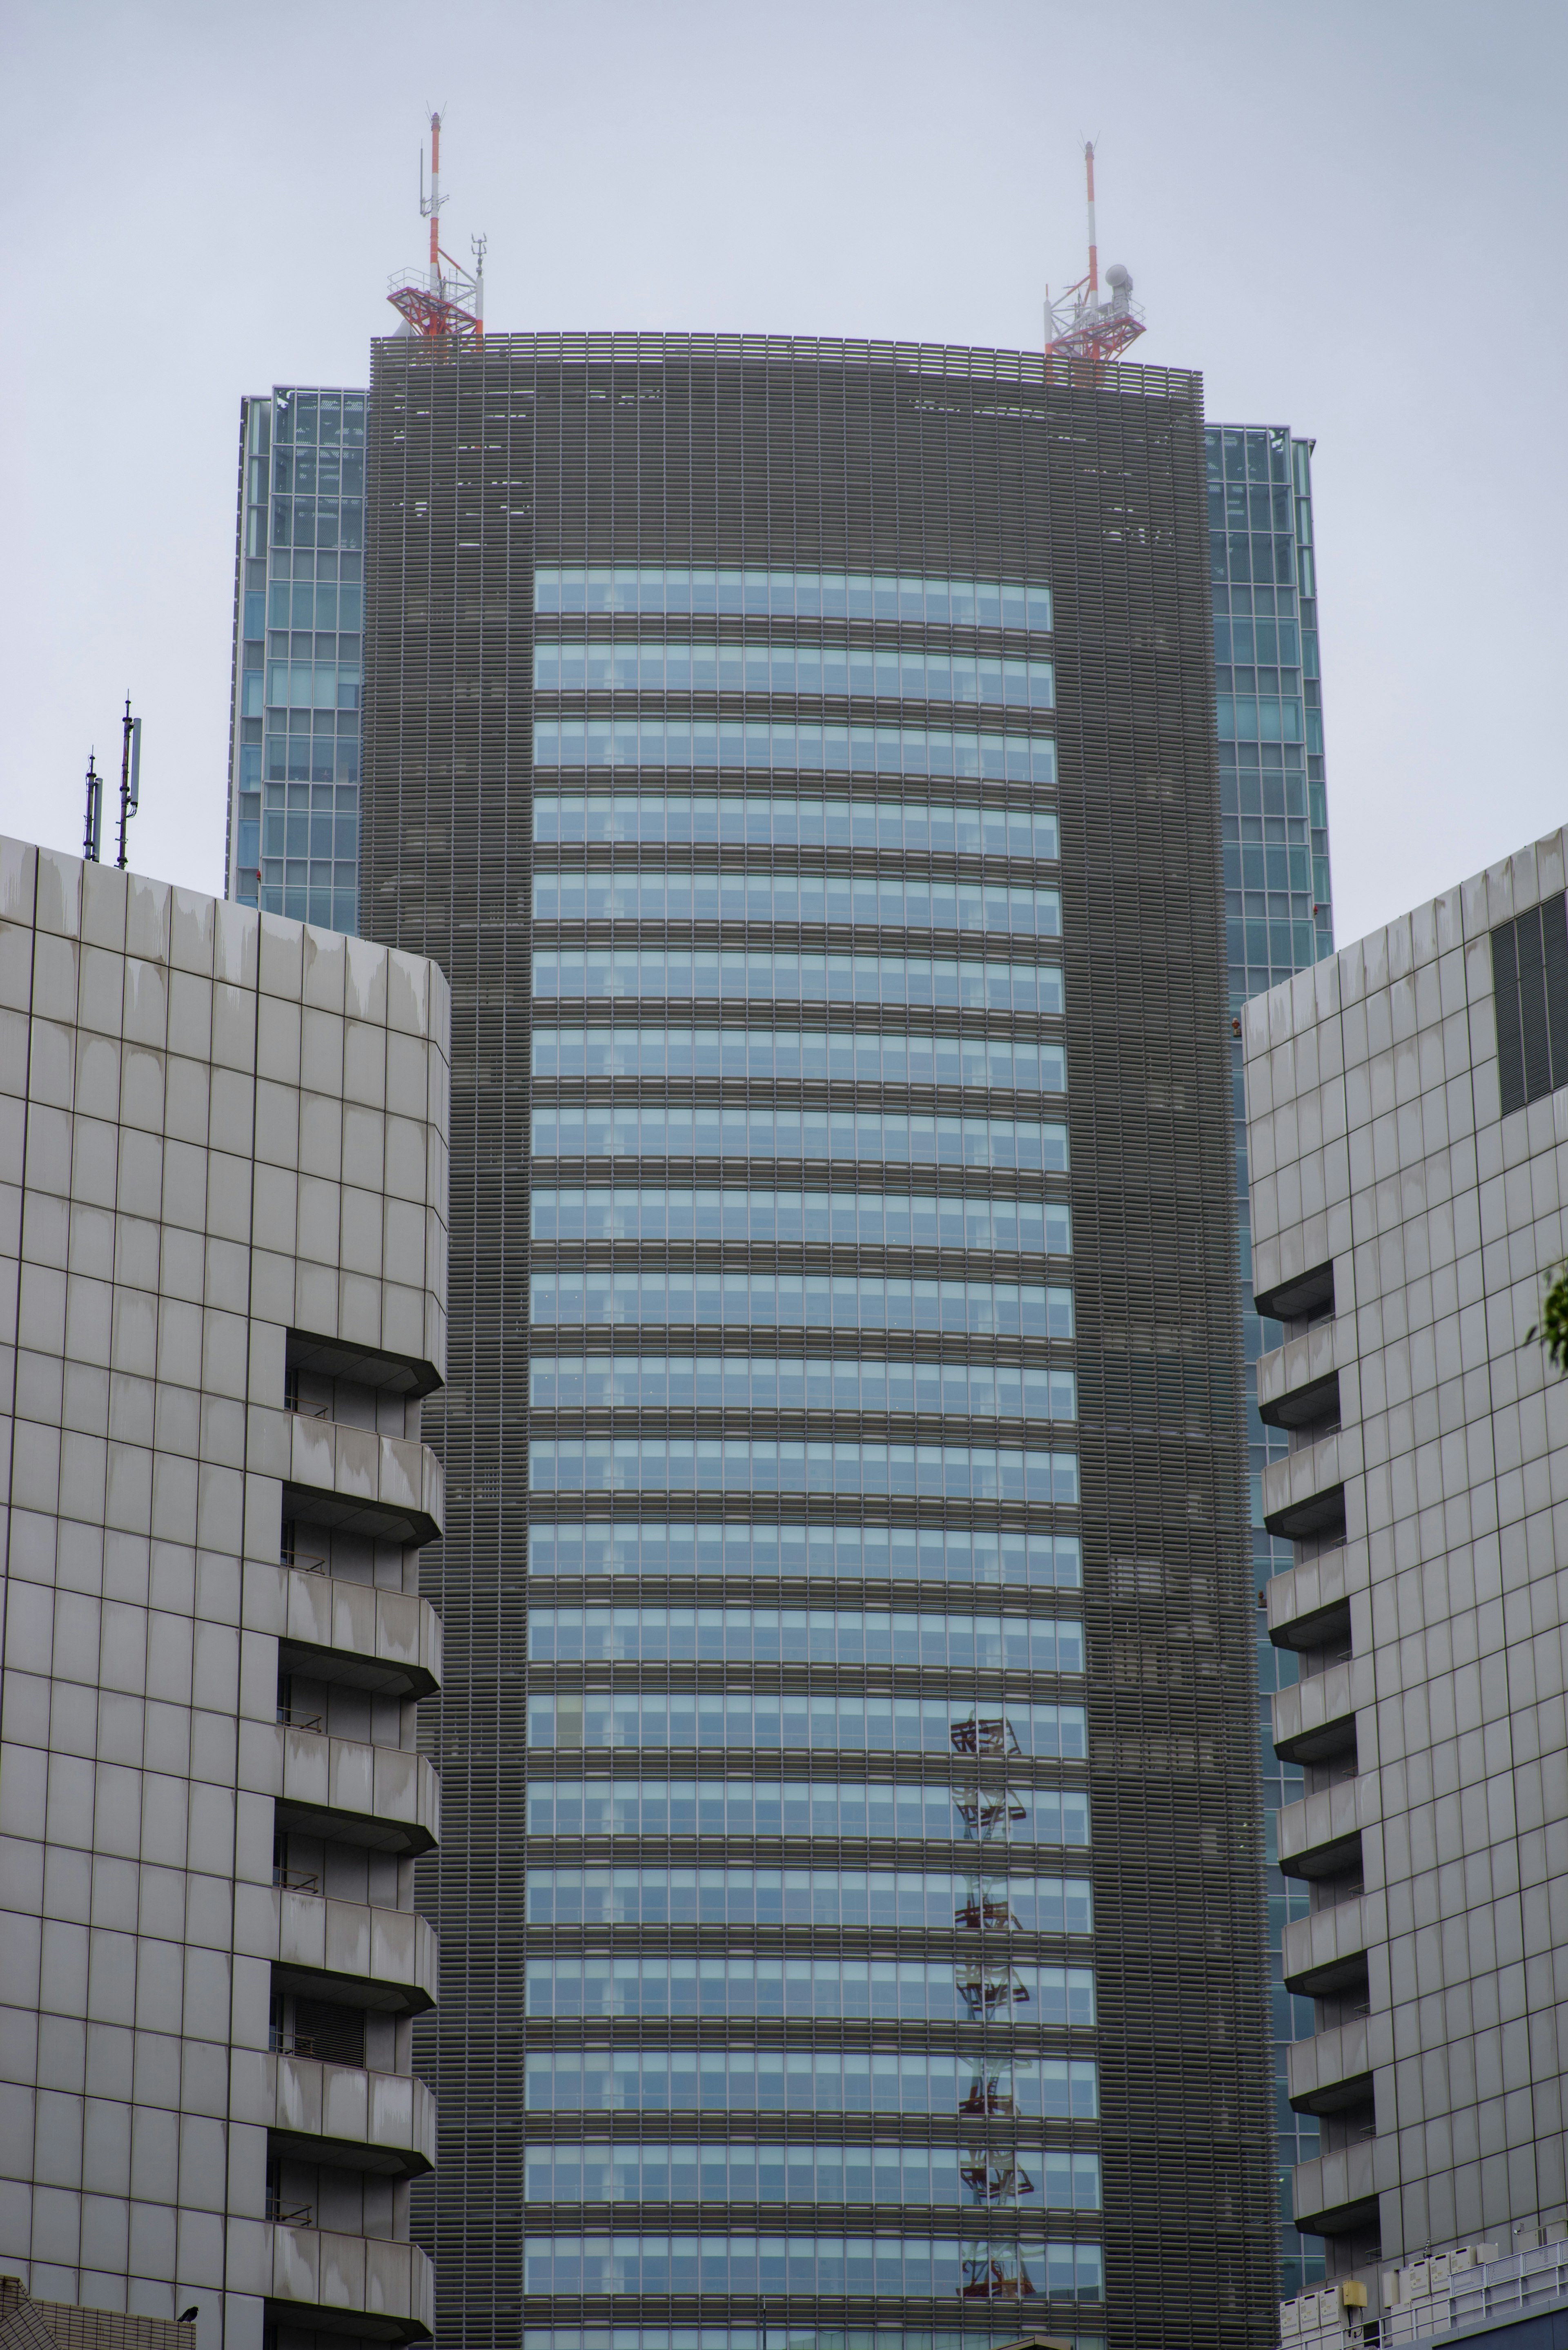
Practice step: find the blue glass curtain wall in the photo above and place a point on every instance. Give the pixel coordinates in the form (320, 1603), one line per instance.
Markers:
(1278, 920)
(294, 802)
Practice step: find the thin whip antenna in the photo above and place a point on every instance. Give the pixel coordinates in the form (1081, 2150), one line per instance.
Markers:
(1094, 248)
(433, 207)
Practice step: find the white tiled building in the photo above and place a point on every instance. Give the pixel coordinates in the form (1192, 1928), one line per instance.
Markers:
(222, 1148)
(1407, 1105)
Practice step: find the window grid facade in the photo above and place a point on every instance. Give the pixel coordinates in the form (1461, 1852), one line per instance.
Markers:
(814, 458)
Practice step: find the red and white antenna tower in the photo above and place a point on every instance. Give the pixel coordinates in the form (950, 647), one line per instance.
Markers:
(1080, 326)
(446, 304)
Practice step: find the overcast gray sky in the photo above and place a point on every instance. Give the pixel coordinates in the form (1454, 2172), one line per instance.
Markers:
(1350, 216)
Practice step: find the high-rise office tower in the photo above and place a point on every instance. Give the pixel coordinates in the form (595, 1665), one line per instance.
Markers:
(802, 758)
(293, 737)
(222, 1177)
(1406, 1103)
(1279, 919)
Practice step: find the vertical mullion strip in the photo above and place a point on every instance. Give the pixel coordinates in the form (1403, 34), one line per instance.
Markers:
(1510, 1041)
(1532, 1006)
(1554, 934)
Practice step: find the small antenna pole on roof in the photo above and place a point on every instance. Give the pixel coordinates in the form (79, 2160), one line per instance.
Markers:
(94, 824)
(129, 775)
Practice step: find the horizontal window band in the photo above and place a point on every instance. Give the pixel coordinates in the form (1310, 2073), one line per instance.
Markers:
(824, 2081)
(928, 826)
(663, 1808)
(863, 1137)
(653, 1548)
(687, 1464)
(674, 974)
(800, 1301)
(757, 1720)
(987, 1904)
(1003, 2178)
(654, 1983)
(566, 893)
(800, 1056)
(832, 2335)
(654, 1634)
(802, 746)
(767, 1383)
(729, 2262)
(763, 1216)
(792, 595)
(827, 666)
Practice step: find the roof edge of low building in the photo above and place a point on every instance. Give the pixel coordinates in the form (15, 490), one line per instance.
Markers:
(1456, 918)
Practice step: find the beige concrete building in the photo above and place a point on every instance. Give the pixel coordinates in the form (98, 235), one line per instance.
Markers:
(1407, 1104)
(222, 1145)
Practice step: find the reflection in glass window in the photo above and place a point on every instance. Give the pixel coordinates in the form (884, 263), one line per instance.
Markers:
(823, 2080)
(1040, 2178)
(806, 1807)
(968, 1901)
(980, 2268)
(791, 1719)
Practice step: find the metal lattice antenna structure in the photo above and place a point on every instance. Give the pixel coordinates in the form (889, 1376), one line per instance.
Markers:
(445, 303)
(1080, 327)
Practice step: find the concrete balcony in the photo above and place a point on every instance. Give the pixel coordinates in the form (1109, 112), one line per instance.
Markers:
(1327, 1951)
(354, 2119)
(1303, 1495)
(386, 1642)
(1333, 2070)
(350, 1951)
(1337, 2193)
(1320, 1834)
(1316, 1719)
(1308, 1604)
(350, 2284)
(385, 1797)
(349, 1478)
(1301, 1362)
(1293, 1275)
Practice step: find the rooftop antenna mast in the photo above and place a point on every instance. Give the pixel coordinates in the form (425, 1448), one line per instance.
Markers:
(443, 302)
(1080, 328)
(130, 775)
(92, 829)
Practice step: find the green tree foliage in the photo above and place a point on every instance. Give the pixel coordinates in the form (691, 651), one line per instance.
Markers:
(1553, 1327)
